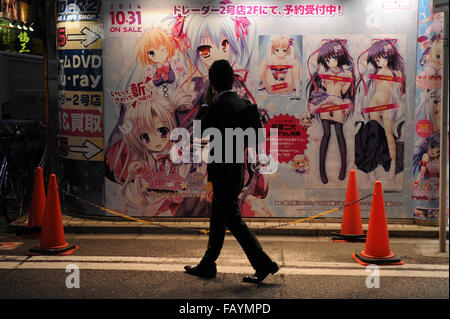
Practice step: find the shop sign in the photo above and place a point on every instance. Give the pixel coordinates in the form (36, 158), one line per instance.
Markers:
(77, 10)
(80, 62)
(8, 9)
(24, 40)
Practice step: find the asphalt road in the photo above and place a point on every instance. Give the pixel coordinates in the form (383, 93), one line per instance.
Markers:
(151, 267)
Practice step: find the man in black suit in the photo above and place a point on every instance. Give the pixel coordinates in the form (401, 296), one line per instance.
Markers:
(228, 111)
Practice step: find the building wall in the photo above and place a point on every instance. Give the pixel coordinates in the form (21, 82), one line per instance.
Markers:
(298, 187)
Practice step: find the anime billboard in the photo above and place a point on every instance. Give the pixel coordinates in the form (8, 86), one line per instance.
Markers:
(356, 102)
(426, 159)
(325, 93)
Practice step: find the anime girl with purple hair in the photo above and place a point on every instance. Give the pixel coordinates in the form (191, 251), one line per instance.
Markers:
(381, 98)
(331, 96)
(426, 157)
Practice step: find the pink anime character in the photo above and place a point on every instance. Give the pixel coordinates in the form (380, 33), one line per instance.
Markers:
(280, 70)
(141, 161)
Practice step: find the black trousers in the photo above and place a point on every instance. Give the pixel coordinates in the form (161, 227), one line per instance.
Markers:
(225, 213)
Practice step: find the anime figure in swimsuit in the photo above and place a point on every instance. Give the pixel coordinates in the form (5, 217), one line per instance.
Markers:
(331, 96)
(382, 99)
(280, 71)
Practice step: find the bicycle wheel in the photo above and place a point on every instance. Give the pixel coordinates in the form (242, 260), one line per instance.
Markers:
(12, 202)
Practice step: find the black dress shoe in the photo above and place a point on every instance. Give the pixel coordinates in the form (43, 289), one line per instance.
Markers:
(202, 271)
(260, 275)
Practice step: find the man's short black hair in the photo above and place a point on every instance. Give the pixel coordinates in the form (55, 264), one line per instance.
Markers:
(221, 75)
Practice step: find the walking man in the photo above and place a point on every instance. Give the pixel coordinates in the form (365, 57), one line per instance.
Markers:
(228, 111)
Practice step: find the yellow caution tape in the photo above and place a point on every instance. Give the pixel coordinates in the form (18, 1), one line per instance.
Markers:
(205, 231)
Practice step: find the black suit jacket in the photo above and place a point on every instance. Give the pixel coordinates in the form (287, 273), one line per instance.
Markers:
(230, 111)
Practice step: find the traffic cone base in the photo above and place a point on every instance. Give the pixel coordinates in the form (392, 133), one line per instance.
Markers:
(339, 238)
(366, 255)
(66, 250)
(385, 261)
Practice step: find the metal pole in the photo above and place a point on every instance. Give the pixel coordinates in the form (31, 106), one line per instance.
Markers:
(444, 134)
(51, 86)
(46, 86)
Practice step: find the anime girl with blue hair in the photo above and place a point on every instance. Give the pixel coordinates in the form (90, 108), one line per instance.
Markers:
(426, 157)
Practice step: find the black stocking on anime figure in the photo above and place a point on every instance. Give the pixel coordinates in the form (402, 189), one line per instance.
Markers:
(342, 150)
(326, 124)
(324, 150)
(331, 96)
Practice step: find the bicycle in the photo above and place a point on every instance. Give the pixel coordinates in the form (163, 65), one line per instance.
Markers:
(11, 192)
(17, 170)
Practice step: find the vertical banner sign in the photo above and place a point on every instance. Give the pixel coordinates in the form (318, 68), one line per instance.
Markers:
(340, 98)
(426, 161)
(80, 89)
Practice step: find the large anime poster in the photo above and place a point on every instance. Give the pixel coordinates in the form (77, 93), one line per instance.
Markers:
(162, 79)
(325, 93)
(426, 166)
(356, 90)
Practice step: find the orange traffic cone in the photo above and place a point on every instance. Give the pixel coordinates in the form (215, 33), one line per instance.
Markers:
(377, 250)
(37, 208)
(351, 228)
(52, 240)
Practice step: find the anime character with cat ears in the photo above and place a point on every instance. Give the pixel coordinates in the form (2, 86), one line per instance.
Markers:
(141, 163)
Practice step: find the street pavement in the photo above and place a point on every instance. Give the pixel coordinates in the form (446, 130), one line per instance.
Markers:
(150, 266)
(134, 261)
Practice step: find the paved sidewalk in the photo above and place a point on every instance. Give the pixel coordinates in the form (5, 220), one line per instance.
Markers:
(201, 225)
